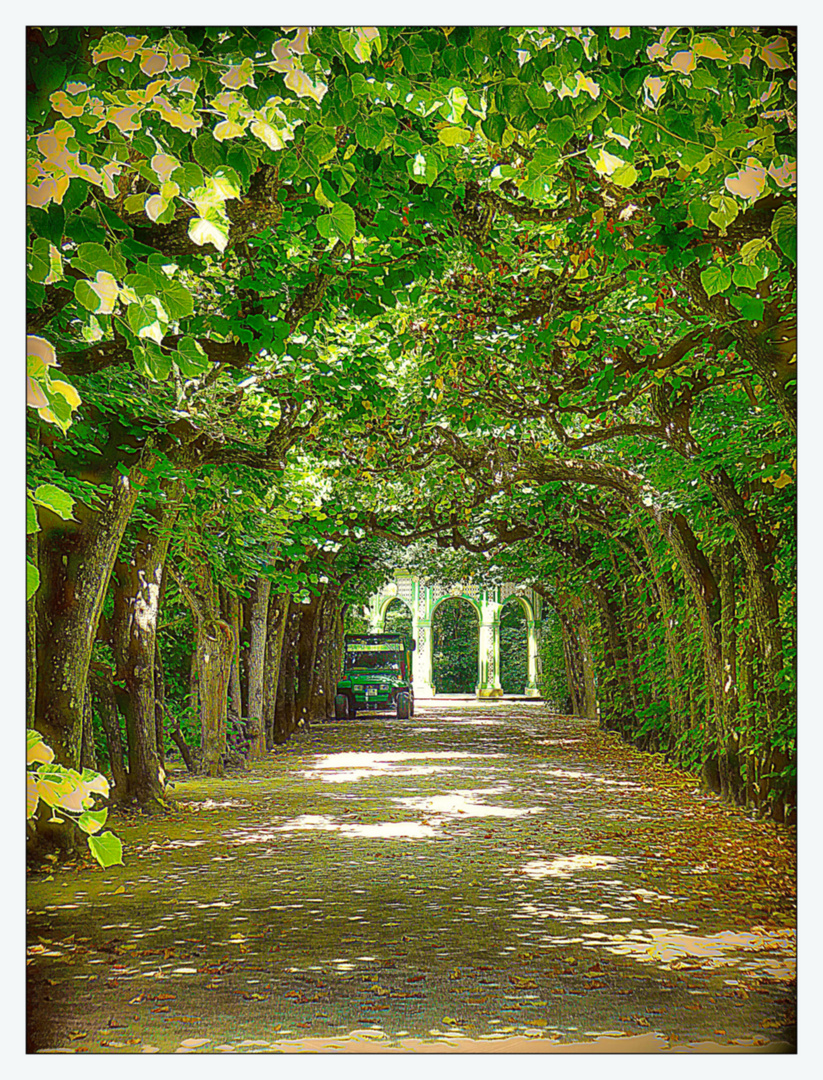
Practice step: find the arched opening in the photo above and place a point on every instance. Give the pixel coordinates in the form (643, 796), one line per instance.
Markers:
(397, 619)
(514, 648)
(455, 638)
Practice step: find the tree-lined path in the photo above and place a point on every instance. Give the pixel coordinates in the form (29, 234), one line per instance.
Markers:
(483, 876)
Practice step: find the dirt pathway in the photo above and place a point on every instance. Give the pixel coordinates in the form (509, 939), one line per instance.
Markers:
(480, 877)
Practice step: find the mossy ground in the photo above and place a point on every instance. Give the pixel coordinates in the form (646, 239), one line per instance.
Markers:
(481, 876)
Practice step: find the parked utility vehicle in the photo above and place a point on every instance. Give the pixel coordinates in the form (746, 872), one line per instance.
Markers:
(377, 676)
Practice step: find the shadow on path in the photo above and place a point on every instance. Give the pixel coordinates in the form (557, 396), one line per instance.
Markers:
(485, 876)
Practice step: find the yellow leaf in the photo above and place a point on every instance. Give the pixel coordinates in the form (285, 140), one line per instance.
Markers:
(770, 54)
(618, 32)
(653, 89)
(748, 183)
(783, 480)
(228, 129)
(44, 351)
(303, 86)
(119, 889)
(709, 48)
(124, 118)
(153, 63)
(164, 165)
(271, 136)
(684, 61)
(239, 75)
(68, 392)
(32, 798)
(607, 163)
(206, 232)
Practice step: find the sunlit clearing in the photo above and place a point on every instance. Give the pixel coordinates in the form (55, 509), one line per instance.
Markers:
(672, 949)
(565, 866)
(341, 776)
(464, 803)
(392, 830)
(379, 761)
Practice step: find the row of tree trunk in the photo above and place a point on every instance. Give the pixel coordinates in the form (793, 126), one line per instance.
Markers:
(714, 689)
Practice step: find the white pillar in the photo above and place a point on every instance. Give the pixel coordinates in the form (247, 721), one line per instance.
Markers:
(488, 648)
(422, 660)
(532, 689)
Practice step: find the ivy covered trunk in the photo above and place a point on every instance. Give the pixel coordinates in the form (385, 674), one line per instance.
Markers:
(75, 563)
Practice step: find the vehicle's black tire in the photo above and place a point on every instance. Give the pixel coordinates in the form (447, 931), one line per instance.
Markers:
(403, 706)
(411, 705)
(341, 707)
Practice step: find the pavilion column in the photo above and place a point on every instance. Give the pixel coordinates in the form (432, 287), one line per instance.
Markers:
(422, 658)
(532, 689)
(488, 659)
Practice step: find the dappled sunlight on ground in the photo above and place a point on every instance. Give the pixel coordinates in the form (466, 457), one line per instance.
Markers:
(566, 865)
(673, 950)
(467, 804)
(541, 892)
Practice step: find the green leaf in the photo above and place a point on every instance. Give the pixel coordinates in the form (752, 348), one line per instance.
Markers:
(40, 260)
(191, 357)
(748, 277)
(32, 579)
(92, 821)
(107, 849)
(340, 223)
(454, 136)
(32, 525)
(749, 307)
(540, 173)
(725, 213)
(152, 361)
(715, 279)
(624, 176)
(56, 500)
(784, 230)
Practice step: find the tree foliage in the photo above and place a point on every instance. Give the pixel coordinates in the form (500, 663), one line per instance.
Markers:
(301, 298)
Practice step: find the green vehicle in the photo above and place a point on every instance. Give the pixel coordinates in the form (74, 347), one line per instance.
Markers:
(377, 676)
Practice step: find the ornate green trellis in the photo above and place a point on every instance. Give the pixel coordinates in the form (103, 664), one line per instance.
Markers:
(422, 599)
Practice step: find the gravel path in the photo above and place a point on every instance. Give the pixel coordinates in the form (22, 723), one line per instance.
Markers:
(483, 876)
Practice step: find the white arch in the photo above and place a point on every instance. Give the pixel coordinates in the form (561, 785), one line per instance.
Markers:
(386, 604)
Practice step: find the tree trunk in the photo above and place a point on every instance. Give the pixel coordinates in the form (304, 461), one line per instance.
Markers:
(31, 640)
(257, 658)
(278, 613)
(214, 654)
(285, 718)
(160, 704)
(75, 567)
(88, 751)
(102, 688)
(235, 693)
(138, 583)
(307, 655)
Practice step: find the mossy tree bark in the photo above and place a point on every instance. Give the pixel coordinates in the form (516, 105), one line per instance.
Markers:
(257, 659)
(285, 718)
(214, 651)
(76, 562)
(138, 582)
(278, 613)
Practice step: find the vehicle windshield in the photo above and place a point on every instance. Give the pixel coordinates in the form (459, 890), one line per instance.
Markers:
(384, 661)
